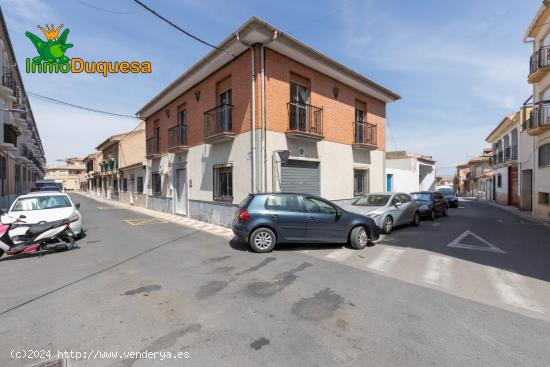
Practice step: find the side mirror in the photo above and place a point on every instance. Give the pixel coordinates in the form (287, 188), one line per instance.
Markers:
(397, 205)
(338, 213)
(77, 205)
(3, 211)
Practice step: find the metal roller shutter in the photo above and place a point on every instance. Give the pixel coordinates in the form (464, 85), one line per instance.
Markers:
(301, 177)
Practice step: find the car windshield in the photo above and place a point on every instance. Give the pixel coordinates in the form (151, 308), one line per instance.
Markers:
(446, 192)
(372, 200)
(41, 202)
(423, 196)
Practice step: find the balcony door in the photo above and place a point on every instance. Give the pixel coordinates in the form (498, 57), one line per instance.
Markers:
(299, 116)
(183, 127)
(225, 111)
(360, 119)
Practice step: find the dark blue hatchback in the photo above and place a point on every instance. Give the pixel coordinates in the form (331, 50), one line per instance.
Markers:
(263, 220)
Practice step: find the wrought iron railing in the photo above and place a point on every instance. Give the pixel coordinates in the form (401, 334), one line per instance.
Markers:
(10, 135)
(364, 133)
(539, 59)
(511, 153)
(218, 120)
(152, 145)
(7, 78)
(305, 118)
(177, 136)
(540, 115)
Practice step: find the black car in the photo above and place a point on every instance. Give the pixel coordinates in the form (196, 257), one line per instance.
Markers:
(263, 220)
(430, 203)
(450, 195)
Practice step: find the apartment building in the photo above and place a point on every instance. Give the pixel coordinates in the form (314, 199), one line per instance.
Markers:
(504, 140)
(267, 114)
(93, 172)
(22, 158)
(462, 174)
(116, 171)
(479, 176)
(409, 172)
(72, 173)
(538, 121)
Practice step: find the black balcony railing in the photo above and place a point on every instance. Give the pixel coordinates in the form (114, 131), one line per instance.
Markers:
(218, 120)
(7, 78)
(9, 134)
(540, 115)
(539, 59)
(305, 118)
(364, 133)
(511, 153)
(152, 145)
(177, 136)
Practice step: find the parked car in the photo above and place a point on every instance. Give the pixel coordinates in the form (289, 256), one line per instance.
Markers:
(264, 220)
(388, 210)
(430, 203)
(50, 183)
(450, 196)
(38, 207)
(45, 188)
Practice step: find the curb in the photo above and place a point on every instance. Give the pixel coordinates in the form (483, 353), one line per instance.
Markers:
(521, 215)
(209, 228)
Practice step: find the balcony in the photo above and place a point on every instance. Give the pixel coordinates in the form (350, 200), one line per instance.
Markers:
(218, 124)
(539, 64)
(10, 138)
(539, 120)
(506, 157)
(177, 138)
(7, 82)
(305, 121)
(364, 135)
(152, 147)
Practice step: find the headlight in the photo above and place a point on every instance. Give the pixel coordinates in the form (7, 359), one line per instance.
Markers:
(74, 217)
(424, 207)
(373, 215)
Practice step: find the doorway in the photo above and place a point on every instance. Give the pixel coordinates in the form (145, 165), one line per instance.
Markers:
(527, 189)
(181, 192)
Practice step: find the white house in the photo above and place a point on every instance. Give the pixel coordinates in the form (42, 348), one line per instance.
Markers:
(409, 172)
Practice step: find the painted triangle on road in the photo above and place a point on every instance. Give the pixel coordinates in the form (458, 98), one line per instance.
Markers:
(465, 241)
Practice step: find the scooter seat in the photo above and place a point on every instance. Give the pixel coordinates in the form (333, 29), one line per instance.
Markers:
(39, 228)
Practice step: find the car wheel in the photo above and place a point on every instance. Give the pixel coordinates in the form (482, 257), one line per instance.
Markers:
(416, 219)
(445, 211)
(388, 225)
(262, 240)
(433, 215)
(359, 238)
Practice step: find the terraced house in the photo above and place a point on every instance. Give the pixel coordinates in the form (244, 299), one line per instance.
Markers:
(268, 113)
(22, 158)
(538, 123)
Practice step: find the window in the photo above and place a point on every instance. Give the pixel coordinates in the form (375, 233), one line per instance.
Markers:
(544, 155)
(360, 115)
(358, 183)
(314, 205)
(41, 202)
(182, 116)
(124, 185)
(544, 198)
(223, 183)
(283, 203)
(404, 198)
(225, 110)
(140, 184)
(499, 180)
(156, 184)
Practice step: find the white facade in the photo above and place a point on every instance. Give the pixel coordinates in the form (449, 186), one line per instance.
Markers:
(410, 174)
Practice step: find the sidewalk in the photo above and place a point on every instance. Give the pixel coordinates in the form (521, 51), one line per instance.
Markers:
(191, 223)
(522, 214)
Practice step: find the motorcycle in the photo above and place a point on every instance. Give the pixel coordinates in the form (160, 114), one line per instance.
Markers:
(18, 237)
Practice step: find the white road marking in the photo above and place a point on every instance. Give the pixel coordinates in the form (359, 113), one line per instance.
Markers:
(386, 259)
(438, 271)
(457, 242)
(340, 255)
(511, 290)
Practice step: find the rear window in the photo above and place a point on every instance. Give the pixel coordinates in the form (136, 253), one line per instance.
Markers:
(245, 202)
(282, 203)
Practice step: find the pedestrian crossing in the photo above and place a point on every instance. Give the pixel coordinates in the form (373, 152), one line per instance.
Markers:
(478, 282)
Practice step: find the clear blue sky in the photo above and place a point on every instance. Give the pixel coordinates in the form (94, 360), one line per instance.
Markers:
(460, 66)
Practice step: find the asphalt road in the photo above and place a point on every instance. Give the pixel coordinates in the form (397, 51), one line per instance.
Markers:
(429, 296)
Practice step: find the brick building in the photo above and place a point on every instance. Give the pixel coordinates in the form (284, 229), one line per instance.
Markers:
(266, 114)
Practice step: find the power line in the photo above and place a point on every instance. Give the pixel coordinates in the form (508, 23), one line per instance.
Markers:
(178, 27)
(57, 101)
(317, 20)
(109, 11)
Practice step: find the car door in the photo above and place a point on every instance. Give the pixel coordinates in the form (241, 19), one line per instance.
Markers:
(408, 207)
(323, 221)
(397, 210)
(287, 216)
(439, 202)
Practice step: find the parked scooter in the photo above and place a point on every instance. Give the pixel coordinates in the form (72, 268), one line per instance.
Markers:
(17, 237)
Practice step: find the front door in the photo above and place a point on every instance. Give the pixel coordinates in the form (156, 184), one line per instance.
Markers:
(513, 189)
(323, 222)
(389, 183)
(181, 192)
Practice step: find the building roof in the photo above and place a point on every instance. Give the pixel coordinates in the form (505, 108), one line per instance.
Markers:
(92, 155)
(504, 124)
(534, 25)
(401, 154)
(255, 31)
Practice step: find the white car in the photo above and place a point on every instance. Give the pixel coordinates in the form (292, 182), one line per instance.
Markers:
(47, 207)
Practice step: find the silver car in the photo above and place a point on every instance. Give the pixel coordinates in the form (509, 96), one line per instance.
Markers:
(387, 209)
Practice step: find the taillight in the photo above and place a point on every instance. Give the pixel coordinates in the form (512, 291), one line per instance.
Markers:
(243, 214)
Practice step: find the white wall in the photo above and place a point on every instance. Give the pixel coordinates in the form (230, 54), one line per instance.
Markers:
(406, 174)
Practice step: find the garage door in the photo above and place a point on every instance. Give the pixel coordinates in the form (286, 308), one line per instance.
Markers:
(300, 176)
